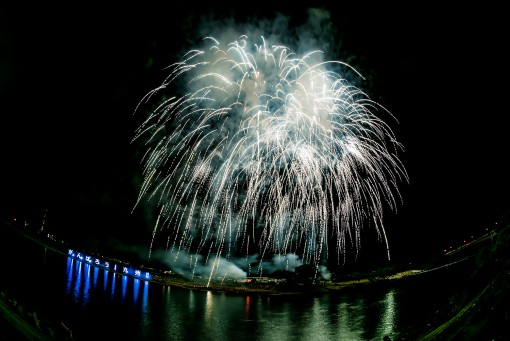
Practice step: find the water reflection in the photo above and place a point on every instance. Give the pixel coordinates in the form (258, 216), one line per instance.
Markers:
(96, 272)
(191, 303)
(82, 279)
(247, 307)
(172, 313)
(320, 318)
(124, 287)
(350, 319)
(136, 289)
(107, 273)
(389, 316)
(84, 295)
(177, 313)
(209, 306)
(145, 295)
(105, 279)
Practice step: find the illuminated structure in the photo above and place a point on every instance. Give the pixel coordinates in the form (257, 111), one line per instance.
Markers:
(107, 265)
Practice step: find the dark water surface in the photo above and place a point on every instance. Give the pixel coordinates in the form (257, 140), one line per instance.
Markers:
(100, 305)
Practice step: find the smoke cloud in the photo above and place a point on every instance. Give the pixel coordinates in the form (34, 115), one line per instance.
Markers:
(193, 265)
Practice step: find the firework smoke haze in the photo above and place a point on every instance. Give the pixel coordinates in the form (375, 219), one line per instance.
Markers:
(254, 146)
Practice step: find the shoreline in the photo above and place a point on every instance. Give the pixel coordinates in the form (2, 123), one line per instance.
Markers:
(272, 289)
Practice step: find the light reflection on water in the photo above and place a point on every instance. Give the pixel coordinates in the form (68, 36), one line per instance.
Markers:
(124, 287)
(80, 276)
(179, 314)
(389, 315)
(96, 303)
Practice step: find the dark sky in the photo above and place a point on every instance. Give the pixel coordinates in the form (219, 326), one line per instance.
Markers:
(71, 77)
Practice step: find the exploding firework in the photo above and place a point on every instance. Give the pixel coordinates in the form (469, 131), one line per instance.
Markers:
(265, 152)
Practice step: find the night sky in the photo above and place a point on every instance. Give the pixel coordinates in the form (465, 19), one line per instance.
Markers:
(71, 77)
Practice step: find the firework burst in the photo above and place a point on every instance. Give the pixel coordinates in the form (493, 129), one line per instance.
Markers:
(265, 151)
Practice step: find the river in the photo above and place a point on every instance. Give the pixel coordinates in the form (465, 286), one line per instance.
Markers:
(97, 304)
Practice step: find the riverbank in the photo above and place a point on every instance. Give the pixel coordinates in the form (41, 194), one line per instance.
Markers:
(161, 277)
(472, 303)
(18, 322)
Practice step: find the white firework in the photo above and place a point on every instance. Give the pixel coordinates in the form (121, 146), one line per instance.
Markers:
(266, 148)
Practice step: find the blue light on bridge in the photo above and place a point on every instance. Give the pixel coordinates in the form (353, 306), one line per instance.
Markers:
(126, 270)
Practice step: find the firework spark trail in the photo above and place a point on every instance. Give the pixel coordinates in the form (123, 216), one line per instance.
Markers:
(269, 148)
